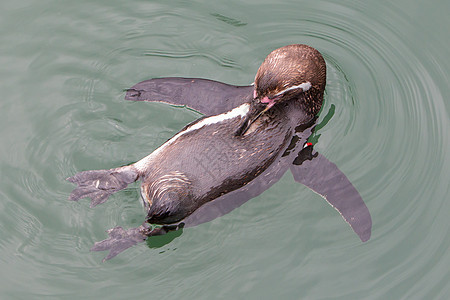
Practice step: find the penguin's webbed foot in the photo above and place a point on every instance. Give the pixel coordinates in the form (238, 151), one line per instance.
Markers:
(120, 239)
(100, 184)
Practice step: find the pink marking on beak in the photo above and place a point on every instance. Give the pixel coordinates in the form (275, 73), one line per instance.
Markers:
(270, 102)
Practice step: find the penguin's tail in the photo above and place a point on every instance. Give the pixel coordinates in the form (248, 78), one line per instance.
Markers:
(100, 184)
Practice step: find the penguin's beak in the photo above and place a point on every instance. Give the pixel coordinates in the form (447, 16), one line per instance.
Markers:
(261, 109)
(258, 108)
(269, 101)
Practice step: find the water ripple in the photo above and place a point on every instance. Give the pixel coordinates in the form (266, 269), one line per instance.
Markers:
(384, 122)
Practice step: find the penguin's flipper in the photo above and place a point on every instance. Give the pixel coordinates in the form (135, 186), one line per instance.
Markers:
(100, 184)
(205, 96)
(324, 178)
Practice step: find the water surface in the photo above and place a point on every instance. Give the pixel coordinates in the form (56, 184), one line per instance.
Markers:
(385, 123)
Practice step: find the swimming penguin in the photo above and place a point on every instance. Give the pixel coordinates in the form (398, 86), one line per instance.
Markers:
(248, 138)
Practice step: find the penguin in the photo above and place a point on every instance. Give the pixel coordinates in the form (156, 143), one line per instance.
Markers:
(247, 139)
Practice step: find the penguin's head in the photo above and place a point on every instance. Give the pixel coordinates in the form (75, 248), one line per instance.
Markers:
(291, 72)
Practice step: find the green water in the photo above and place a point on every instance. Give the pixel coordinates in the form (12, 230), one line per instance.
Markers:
(64, 66)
